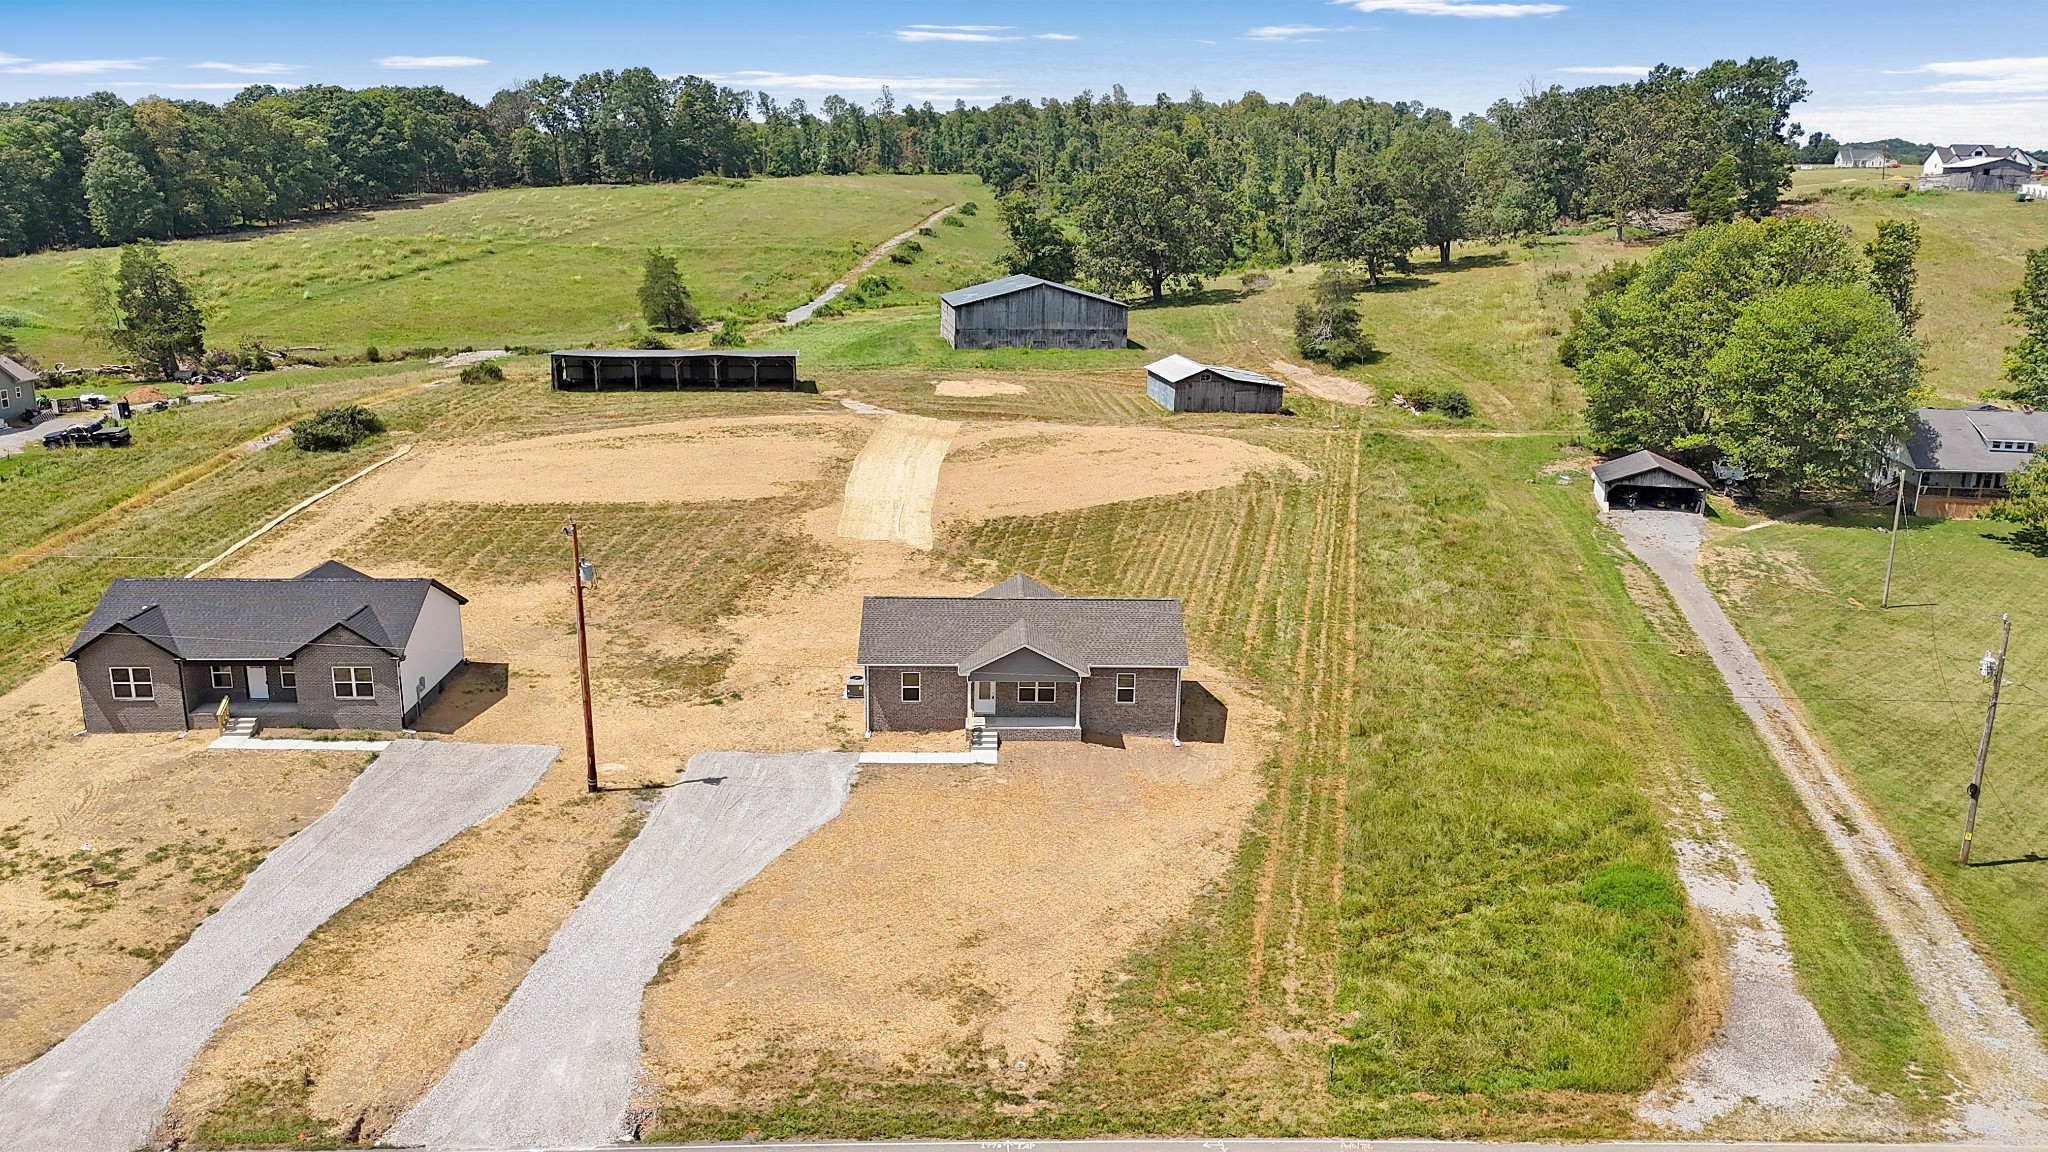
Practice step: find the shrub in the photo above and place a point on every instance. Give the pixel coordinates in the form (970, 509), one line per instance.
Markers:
(649, 341)
(899, 256)
(927, 230)
(482, 372)
(336, 429)
(372, 354)
(1329, 332)
(1451, 402)
(969, 208)
(953, 221)
(729, 334)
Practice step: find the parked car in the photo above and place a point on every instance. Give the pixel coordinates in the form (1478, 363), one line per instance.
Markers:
(92, 399)
(115, 437)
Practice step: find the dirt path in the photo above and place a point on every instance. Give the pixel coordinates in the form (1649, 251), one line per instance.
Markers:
(558, 1065)
(105, 1087)
(894, 481)
(1322, 386)
(803, 312)
(1997, 1052)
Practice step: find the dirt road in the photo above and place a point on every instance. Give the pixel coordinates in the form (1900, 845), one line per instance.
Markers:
(803, 312)
(104, 1088)
(1322, 386)
(558, 1065)
(1997, 1052)
(894, 480)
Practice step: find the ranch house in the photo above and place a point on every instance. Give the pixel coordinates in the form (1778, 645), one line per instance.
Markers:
(1954, 461)
(17, 391)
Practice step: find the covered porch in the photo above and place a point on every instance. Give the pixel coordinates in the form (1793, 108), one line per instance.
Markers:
(1045, 708)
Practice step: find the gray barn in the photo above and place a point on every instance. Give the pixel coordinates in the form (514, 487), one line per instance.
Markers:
(1178, 384)
(1026, 312)
(605, 369)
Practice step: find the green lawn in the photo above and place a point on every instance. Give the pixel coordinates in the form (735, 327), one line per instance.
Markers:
(1897, 695)
(534, 266)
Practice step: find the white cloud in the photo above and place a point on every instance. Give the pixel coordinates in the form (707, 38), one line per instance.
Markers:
(1469, 9)
(77, 67)
(2009, 74)
(1607, 70)
(6, 59)
(2012, 121)
(969, 34)
(1285, 33)
(430, 61)
(245, 69)
(908, 87)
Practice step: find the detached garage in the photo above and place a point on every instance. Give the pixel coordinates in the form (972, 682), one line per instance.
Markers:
(1647, 480)
(1026, 312)
(1179, 384)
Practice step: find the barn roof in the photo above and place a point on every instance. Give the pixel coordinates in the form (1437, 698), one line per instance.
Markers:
(1017, 283)
(1176, 368)
(1078, 632)
(677, 353)
(1959, 439)
(249, 619)
(1639, 463)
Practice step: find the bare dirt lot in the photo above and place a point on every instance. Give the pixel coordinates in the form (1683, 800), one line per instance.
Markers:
(1324, 386)
(1024, 469)
(889, 492)
(977, 387)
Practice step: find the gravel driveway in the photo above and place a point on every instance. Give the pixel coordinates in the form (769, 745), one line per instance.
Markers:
(13, 440)
(1998, 1053)
(104, 1088)
(557, 1067)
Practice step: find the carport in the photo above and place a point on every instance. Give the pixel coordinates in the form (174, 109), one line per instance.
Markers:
(1647, 480)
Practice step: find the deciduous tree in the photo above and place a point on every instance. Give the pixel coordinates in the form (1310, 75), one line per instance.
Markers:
(1038, 246)
(1359, 220)
(1425, 163)
(1893, 276)
(2026, 362)
(144, 308)
(663, 300)
(1152, 218)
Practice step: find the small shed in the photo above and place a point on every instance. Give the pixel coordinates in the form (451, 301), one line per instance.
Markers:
(1647, 480)
(1179, 384)
(669, 369)
(17, 390)
(1027, 312)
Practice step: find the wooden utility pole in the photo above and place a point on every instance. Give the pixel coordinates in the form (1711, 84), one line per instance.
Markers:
(1893, 553)
(582, 656)
(1997, 673)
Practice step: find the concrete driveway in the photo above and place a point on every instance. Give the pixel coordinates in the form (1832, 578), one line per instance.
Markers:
(13, 440)
(556, 1068)
(105, 1088)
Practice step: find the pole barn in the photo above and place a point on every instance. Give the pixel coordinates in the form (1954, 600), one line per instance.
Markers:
(1179, 384)
(1026, 312)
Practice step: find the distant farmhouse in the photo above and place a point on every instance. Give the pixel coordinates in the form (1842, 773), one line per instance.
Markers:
(668, 369)
(329, 648)
(1023, 662)
(1179, 384)
(1976, 168)
(1955, 460)
(1862, 158)
(1026, 312)
(17, 391)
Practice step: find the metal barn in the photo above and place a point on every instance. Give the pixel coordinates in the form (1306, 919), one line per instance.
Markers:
(1026, 312)
(1179, 384)
(667, 369)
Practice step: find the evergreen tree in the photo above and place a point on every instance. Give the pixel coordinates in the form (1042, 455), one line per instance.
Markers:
(147, 311)
(1714, 194)
(664, 302)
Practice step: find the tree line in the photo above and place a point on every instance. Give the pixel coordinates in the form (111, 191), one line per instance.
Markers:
(1244, 180)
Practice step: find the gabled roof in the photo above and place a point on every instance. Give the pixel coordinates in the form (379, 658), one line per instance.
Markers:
(1176, 368)
(13, 371)
(244, 619)
(1860, 154)
(1077, 632)
(1959, 439)
(1638, 463)
(1954, 155)
(1017, 283)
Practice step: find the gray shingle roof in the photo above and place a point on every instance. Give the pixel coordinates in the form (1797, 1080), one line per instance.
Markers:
(1080, 632)
(1017, 283)
(1959, 439)
(1637, 463)
(246, 619)
(14, 372)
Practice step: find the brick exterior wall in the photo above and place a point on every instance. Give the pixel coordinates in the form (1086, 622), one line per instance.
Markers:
(201, 694)
(1062, 707)
(319, 707)
(103, 713)
(1152, 715)
(942, 707)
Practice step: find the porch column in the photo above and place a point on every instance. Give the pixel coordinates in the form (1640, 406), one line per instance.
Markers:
(1077, 703)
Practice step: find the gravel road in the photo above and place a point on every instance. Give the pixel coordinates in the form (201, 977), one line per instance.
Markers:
(104, 1088)
(558, 1065)
(802, 312)
(1998, 1053)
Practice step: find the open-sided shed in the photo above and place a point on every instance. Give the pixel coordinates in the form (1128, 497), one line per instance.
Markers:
(1179, 384)
(1027, 312)
(656, 369)
(1647, 480)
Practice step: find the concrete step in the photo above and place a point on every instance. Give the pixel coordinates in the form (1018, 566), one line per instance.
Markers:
(983, 739)
(241, 726)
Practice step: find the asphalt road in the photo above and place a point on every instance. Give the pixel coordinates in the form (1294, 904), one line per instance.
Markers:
(104, 1088)
(558, 1064)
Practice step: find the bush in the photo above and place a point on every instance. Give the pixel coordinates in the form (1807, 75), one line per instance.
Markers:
(1329, 332)
(1450, 402)
(372, 354)
(969, 208)
(729, 334)
(482, 372)
(336, 429)
(953, 221)
(650, 342)
(926, 231)
(899, 256)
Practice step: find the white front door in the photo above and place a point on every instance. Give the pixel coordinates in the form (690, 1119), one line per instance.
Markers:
(259, 681)
(984, 697)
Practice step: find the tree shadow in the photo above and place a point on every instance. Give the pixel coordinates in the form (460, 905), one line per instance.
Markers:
(2031, 539)
(1403, 282)
(2028, 858)
(1474, 260)
(1204, 719)
(356, 215)
(468, 693)
(1192, 299)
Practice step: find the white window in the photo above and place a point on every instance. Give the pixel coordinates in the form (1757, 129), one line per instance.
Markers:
(913, 688)
(354, 683)
(223, 676)
(1127, 687)
(132, 684)
(287, 677)
(1038, 693)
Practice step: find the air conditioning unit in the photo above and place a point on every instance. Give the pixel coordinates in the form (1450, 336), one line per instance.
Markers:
(856, 687)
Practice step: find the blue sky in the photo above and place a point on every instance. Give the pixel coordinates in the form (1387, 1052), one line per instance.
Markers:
(1962, 69)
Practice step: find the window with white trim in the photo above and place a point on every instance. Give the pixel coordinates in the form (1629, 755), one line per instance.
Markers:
(1038, 692)
(913, 687)
(132, 683)
(1127, 687)
(354, 682)
(223, 676)
(287, 677)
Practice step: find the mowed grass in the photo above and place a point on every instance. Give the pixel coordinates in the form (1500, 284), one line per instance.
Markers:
(1897, 696)
(536, 266)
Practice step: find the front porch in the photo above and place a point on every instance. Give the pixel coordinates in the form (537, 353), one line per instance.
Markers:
(266, 713)
(1047, 709)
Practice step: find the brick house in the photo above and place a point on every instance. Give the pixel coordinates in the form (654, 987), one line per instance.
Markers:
(329, 648)
(1025, 662)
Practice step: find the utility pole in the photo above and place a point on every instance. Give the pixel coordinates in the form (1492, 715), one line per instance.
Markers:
(1994, 667)
(1893, 553)
(577, 574)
